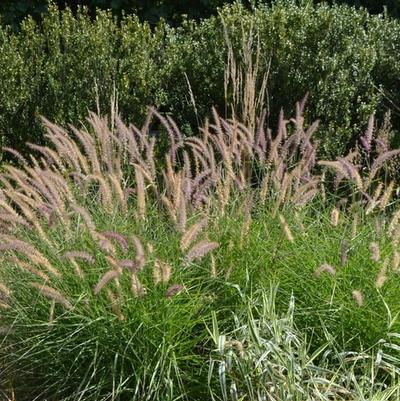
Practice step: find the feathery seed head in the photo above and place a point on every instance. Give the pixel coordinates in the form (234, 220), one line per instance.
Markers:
(108, 276)
(140, 256)
(325, 268)
(136, 286)
(335, 217)
(80, 255)
(396, 261)
(286, 228)
(174, 289)
(53, 294)
(200, 250)
(358, 297)
(191, 234)
(112, 235)
(375, 252)
(344, 251)
(162, 272)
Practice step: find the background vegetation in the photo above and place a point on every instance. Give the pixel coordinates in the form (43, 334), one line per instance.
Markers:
(173, 11)
(347, 60)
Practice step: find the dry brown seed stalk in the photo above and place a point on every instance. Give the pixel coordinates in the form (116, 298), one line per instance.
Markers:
(166, 271)
(162, 272)
(375, 252)
(107, 246)
(382, 275)
(335, 217)
(26, 205)
(129, 264)
(380, 280)
(358, 297)
(18, 155)
(201, 249)
(150, 248)
(90, 148)
(336, 166)
(302, 197)
(286, 228)
(325, 268)
(38, 259)
(170, 208)
(105, 191)
(140, 193)
(86, 218)
(394, 224)
(110, 275)
(383, 202)
(213, 272)
(28, 267)
(182, 214)
(157, 274)
(114, 263)
(174, 289)
(228, 272)
(236, 345)
(8, 208)
(396, 261)
(246, 224)
(112, 235)
(77, 268)
(191, 234)
(115, 305)
(264, 187)
(378, 225)
(52, 294)
(13, 219)
(284, 188)
(4, 290)
(119, 191)
(377, 192)
(352, 172)
(396, 236)
(80, 255)
(145, 173)
(51, 314)
(30, 252)
(137, 288)
(140, 257)
(380, 160)
(344, 252)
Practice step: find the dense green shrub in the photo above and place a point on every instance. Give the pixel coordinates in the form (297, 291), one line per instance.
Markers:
(59, 70)
(332, 53)
(392, 7)
(173, 11)
(346, 59)
(386, 73)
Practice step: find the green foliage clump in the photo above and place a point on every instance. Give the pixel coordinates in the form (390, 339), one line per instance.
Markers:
(113, 269)
(60, 68)
(267, 357)
(337, 54)
(347, 60)
(173, 11)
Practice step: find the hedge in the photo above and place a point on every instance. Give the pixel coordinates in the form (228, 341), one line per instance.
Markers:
(348, 61)
(173, 11)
